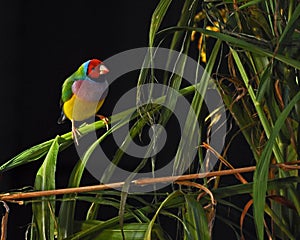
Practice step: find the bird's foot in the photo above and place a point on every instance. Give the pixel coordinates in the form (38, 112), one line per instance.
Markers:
(75, 133)
(105, 120)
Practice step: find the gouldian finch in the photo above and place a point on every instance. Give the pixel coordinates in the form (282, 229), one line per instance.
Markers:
(83, 93)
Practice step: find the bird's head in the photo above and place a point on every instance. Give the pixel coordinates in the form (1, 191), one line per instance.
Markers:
(95, 68)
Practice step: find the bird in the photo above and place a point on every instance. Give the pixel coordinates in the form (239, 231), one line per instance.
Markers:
(83, 94)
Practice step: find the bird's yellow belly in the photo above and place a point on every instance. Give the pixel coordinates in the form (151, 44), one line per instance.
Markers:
(79, 109)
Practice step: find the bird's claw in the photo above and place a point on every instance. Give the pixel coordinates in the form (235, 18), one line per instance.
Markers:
(75, 133)
(105, 120)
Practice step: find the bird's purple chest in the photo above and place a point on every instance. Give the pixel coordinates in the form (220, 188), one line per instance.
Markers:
(89, 90)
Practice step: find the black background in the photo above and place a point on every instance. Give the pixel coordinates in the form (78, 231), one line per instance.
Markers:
(41, 44)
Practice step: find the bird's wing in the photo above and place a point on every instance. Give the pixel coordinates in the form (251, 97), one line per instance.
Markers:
(66, 92)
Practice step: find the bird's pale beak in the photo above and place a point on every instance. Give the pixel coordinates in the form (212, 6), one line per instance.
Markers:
(103, 69)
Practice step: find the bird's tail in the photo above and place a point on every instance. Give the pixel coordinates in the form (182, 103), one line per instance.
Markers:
(62, 118)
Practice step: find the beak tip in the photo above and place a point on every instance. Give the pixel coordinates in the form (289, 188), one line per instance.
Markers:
(103, 69)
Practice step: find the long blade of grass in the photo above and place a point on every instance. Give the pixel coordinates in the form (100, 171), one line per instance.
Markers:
(180, 42)
(156, 19)
(67, 208)
(132, 231)
(172, 196)
(282, 225)
(249, 3)
(261, 172)
(43, 210)
(192, 136)
(195, 220)
(108, 173)
(27, 156)
(37, 152)
(174, 200)
(234, 40)
(289, 27)
(258, 107)
(240, 189)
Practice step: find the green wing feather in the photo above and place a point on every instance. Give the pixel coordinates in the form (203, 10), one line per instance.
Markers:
(66, 92)
(67, 85)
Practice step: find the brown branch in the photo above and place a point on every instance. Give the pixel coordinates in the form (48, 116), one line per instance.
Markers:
(16, 196)
(139, 182)
(146, 181)
(4, 221)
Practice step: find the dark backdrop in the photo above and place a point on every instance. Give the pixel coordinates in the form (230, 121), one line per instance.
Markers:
(41, 44)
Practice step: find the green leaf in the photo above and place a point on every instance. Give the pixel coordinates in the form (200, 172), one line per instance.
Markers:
(262, 170)
(134, 131)
(239, 189)
(237, 42)
(174, 200)
(157, 18)
(67, 208)
(114, 203)
(44, 209)
(280, 223)
(289, 26)
(258, 107)
(188, 141)
(100, 226)
(29, 155)
(181, 40)
(37, 152)
(181, 43)
(249, 4)
(169, 199)
(195, 220)
(264, 85)
(132, 231)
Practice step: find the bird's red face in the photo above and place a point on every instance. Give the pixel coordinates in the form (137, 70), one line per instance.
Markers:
(96, 68)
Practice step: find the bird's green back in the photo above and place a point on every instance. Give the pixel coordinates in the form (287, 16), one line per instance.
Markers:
(67, 93)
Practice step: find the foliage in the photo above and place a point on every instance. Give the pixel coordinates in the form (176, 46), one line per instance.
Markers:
(251, 49)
